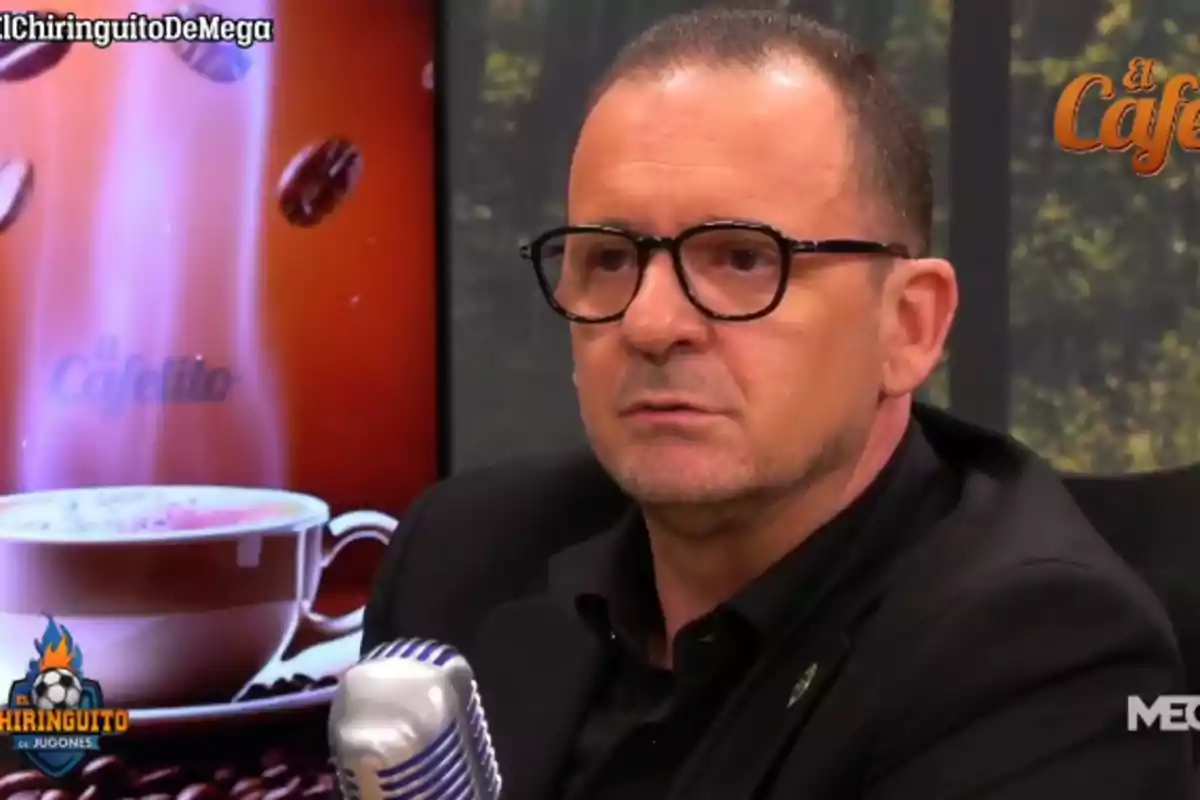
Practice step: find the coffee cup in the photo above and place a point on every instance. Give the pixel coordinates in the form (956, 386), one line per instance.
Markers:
(173, 596)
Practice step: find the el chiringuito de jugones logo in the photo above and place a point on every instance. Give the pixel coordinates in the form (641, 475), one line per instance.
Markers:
(56, 715)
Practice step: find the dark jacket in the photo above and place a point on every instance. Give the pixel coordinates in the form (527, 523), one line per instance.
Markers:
(988, 657)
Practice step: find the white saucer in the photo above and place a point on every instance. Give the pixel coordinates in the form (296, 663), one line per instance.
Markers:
(263, 709)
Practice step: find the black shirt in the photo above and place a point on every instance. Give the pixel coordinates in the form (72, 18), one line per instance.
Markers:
(645, 721)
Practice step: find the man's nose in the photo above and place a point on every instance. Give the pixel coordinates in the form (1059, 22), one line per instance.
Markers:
(661, 317)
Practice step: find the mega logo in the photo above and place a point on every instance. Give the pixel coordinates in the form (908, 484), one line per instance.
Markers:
(1178, 712)
(55, 715)
(1145, 119)
(111, 382)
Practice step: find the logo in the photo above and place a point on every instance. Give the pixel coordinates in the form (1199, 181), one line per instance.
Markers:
(1168, 712)
(802, 684)
(106, 380)
(1144, 118)
(56, 715)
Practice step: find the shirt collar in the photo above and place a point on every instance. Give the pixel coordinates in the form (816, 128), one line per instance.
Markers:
(767, 601)
(610, 576)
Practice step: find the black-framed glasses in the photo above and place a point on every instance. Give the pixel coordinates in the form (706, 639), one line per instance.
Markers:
(731, 271)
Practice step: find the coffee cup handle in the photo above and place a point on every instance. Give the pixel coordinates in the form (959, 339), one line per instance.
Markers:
(345, 530)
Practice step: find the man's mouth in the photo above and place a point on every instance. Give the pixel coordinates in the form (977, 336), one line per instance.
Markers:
(667, 406)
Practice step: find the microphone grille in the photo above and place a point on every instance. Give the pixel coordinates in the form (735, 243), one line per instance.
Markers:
(426, 651)
(481, 741)
(423, 777)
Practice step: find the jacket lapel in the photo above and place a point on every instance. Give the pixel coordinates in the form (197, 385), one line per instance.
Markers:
(764, 715)
(536, 666)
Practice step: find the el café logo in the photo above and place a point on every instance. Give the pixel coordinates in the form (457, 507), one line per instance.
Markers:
(111, 381)
(1146, 118)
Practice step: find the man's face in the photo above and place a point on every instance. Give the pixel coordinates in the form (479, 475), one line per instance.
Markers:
(680, 408)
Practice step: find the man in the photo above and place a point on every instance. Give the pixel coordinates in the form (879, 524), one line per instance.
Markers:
(770, 578)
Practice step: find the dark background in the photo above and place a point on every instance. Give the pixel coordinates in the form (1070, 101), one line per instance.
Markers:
(1081, 295)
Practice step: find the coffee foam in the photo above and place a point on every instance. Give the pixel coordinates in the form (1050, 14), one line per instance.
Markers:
(141, 510)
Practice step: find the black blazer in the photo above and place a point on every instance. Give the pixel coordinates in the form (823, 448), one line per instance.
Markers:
(988, 658)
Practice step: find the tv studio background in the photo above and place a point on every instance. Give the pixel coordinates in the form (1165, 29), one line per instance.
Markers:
(1080, 306)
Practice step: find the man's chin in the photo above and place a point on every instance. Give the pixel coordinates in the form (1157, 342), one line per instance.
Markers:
(680, 475)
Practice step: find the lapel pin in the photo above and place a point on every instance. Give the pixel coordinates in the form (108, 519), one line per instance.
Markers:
(802, 684)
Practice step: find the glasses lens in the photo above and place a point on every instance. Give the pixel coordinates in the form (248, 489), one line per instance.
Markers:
(591, 275)
(732, 271)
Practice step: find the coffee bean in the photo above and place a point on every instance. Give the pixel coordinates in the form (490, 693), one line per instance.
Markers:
(322, 787)
(322, 783)
(318, 180)
(106, 773)
(247, 786)
(168, 780)
(21, 64)
(277, 774)
(224, 776)
(220, 62)
(26, 781)
(199, 791)
(286, 792)
(291, 770)
(273, 757)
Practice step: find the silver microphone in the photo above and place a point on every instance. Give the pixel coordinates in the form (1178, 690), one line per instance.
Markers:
(406, 724)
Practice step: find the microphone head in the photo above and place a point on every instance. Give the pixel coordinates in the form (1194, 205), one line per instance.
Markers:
(406, 723)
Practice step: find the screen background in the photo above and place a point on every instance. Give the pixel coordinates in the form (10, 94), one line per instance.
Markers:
(154, 231)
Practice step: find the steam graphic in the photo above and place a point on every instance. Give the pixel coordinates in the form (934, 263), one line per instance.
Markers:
(104, 379)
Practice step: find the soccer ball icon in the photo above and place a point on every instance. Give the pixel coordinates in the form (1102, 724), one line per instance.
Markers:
(56, 689)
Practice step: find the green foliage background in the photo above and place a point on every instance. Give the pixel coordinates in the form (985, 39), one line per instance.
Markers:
(1105, 291)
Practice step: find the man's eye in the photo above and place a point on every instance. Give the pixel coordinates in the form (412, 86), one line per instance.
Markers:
(610, 259)
(744, 260)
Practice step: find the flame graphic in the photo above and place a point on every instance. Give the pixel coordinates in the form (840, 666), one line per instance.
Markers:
(58, 655)
(56, 649)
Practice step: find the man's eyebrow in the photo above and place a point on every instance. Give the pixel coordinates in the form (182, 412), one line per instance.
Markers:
(608, 222)
(625, 223)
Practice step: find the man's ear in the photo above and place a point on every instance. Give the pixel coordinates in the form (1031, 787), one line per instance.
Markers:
(920, 298)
